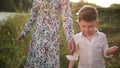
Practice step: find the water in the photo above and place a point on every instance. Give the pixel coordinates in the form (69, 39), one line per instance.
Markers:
(5, 15)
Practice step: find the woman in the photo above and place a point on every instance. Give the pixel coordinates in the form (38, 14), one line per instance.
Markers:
(44, 46)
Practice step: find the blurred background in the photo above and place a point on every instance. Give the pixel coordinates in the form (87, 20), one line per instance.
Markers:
(14, 15)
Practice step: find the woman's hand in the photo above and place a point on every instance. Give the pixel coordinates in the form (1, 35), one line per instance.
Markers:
(71, 47)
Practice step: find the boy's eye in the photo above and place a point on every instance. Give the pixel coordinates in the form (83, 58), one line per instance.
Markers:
(83, 26)
(90, 26)
(87, 26)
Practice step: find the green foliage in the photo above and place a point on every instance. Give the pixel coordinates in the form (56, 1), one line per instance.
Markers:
(15, 5)
(12, 51)
(23, 5)
(115, 6)
(7, 5)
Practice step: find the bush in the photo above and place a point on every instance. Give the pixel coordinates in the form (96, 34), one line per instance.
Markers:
(12, 52)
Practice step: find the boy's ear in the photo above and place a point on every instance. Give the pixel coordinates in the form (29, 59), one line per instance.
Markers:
(77, 22)
(97, 22)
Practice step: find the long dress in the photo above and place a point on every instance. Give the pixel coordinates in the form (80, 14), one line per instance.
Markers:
(44, 46)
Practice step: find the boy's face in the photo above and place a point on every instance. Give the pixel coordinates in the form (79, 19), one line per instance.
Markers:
(88, 28)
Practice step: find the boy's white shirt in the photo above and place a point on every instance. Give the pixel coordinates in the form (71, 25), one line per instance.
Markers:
(90, 53)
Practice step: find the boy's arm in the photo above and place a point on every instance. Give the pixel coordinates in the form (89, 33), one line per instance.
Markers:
(106, 48)
(71, 64)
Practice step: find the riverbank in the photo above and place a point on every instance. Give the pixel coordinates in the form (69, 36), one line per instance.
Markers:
(5, 15)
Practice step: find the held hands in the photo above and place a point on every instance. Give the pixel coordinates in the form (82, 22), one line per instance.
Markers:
(21, 37)
(71, 47)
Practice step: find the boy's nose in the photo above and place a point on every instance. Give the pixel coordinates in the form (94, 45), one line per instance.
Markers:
(86, 29)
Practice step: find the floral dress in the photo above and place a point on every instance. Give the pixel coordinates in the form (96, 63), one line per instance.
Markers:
(44, 46)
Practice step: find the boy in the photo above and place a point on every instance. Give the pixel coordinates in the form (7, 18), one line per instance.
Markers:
(91, 44)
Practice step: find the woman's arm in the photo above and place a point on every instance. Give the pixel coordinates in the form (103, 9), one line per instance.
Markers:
(31, 19)
(68, 24)
(67, 20)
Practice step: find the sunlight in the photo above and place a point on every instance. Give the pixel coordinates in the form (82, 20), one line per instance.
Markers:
(105, 3)
(102, 3)
(74, 0)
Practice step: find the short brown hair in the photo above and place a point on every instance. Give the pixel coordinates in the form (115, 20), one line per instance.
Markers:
(87, 13)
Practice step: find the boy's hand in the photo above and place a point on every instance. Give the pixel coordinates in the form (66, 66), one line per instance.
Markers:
(71, 47)
(21, 37)
(71, 64)
(114, 50)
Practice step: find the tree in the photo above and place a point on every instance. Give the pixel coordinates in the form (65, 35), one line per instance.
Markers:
(115, 6)
(15, 5)
(7, 5)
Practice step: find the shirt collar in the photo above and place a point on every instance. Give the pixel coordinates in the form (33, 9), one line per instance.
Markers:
(97, 33)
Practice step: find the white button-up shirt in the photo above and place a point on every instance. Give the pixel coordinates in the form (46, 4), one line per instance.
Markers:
(90, 53)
